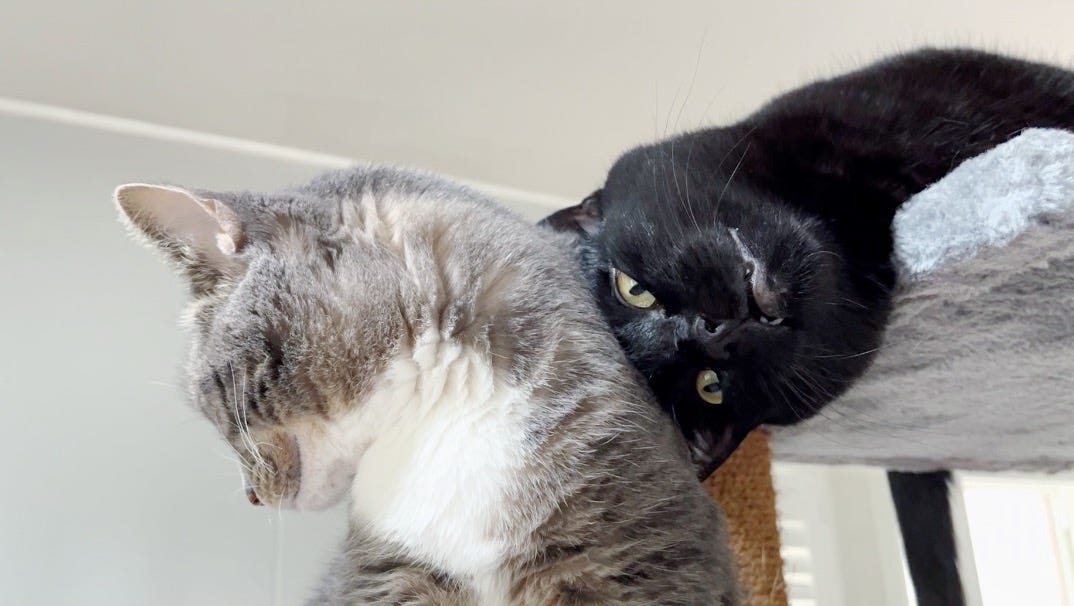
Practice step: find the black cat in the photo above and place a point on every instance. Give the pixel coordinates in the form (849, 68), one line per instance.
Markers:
(747, 269)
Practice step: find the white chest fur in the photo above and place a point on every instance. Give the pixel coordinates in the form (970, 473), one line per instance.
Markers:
(437, 477)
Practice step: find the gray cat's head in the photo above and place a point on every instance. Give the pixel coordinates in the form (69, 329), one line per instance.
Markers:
(316, 311)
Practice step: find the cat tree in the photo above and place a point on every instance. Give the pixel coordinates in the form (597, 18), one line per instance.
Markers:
(743, 488)
(977, 368)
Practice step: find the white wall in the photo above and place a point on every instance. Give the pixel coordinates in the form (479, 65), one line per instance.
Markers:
(115, 492)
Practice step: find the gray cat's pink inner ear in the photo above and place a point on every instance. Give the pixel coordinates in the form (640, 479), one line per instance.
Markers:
(171, 217)
(229, 238)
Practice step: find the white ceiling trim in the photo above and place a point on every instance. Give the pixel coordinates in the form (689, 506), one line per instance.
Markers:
(161, 132)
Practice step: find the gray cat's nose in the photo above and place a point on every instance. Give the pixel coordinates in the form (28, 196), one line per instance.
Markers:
(716, 337)
(252, 497)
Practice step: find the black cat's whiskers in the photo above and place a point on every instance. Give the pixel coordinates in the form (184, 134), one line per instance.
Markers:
(662, 167)
(731, 178)
(873, 420)
(804, 393)
(813, 384)
(878, 421)
(825, 252)
(781, 389)
(853, 303)
(818, 394)
(848, 356)
(693, 79)
(805, 375)
(874, 426)
(819, 352)
(678, 191)
(684, 202)
(711, 175)
(784, 385)
(686, 177)
(683, 191)
(768, 386)
(823, 371)
(654, 163)
(883, 287)
(671, 110)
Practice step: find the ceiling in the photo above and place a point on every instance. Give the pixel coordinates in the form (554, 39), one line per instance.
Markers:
(538, 97)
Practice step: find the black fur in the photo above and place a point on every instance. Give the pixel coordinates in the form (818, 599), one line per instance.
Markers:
(807, 187)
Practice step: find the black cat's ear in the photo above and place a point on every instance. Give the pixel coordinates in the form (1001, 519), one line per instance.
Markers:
(584, 218)
(710, 446)
(201, 235)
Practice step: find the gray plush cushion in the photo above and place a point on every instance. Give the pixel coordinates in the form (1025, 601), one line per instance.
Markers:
(977, 367)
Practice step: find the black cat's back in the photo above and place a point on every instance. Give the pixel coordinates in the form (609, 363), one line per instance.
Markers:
(901, 124)
(851, 149)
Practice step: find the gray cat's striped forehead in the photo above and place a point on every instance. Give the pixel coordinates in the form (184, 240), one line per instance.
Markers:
(345, 272)
(317, 203)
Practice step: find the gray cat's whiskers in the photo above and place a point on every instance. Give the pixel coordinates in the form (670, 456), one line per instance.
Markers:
(257, 446)
(237, 460)
(241, 422)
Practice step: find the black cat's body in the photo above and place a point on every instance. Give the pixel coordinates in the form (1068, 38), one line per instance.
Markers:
(767, 244)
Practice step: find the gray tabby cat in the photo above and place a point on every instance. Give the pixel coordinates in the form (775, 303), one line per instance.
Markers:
(398, 337)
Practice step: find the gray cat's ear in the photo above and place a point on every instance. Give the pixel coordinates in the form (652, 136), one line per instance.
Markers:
(201, 235)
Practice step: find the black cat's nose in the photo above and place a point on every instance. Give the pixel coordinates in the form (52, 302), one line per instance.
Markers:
(717, 338)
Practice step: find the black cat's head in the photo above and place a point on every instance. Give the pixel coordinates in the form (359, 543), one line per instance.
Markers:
(736, 308)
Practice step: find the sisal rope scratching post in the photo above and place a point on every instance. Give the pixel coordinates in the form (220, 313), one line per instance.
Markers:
(743, 488)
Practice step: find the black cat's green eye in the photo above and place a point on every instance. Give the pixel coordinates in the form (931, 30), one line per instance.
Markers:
(708, 387)
(630, 292)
